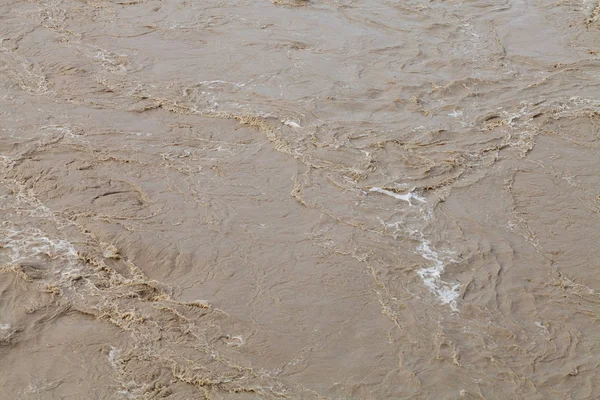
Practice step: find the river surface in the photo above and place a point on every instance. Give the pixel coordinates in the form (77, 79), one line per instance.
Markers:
(290, 199)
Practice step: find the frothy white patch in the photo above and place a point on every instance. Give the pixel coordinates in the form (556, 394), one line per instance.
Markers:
(541, 326)
(432, 276)
(395, 226)
(113, 61)
(405, 197)
(5, 327)
(236, 341)
(130, 388)
(113, 355)
(220, 82)
(291, 124)
(66, 130)
(32, 242)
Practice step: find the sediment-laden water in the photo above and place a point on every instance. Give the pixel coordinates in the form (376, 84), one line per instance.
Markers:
(296, 199)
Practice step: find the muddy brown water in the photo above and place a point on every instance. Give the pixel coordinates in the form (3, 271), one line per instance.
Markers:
(300, 199)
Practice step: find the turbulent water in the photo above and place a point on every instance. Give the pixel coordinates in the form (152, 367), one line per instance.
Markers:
(288, 199)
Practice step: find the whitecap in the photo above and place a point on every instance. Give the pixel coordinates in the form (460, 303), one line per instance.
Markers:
(405, 197)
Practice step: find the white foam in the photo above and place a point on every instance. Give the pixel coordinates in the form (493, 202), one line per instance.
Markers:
(109, 59)
(291, 124)
(432, 276)
(58, 128)
(405, 197)
(221, 82)
(5, 327)
(236, 341)
(541, 326)
(32, 242)
(396, 226)
(113, 355)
